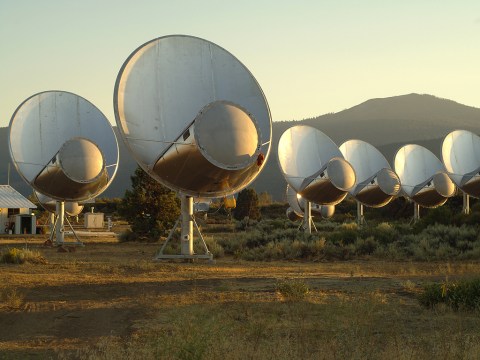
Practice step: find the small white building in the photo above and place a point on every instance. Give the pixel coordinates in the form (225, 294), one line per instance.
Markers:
(16, 212)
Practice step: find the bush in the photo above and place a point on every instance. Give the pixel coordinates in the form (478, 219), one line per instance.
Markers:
(213, 246)
(12, 298)
(21, 256)
(440, 215)
(383, 233)
(292, 290)
(456, 295)
(345, 234)
(365, 247)
(128, 236)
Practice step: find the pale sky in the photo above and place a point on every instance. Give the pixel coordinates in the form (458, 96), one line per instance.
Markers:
(310, 57)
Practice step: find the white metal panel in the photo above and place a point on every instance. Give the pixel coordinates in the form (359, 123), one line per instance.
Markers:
(373, 174)
(165, 83)
(44, 122)
(12, 199)
(461, 154)
(365, 159)
(49, 204)
(414, 165)
(170, 85)
(302, 152)
(293, 201)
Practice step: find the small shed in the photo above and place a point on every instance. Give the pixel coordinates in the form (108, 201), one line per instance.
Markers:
(15, 212)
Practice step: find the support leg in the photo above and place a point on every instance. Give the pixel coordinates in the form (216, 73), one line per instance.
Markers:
(466, 204)
(186, 238)
(60, 228)
(160, 252)
(307, 217)
(416, 212)
(53, 227)
(74, 233)
(360, 216)
(187, 225)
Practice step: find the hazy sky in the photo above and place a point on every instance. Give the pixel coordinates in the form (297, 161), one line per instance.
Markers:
(310, 57)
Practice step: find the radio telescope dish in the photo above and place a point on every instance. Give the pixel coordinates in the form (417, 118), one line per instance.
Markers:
(461, 157)
(193, 116)
(313, 165)
(195, 119)
(63, 146)
(49, 204)
(375, 182)
(423, 176)
(297, 207)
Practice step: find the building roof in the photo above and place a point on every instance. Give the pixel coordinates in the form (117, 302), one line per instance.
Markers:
(12, 199)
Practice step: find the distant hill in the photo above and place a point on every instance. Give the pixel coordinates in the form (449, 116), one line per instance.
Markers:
(387, 123)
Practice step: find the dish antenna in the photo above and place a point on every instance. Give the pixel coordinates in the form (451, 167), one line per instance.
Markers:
(314, 166)
(52, 206)
(72, 208)
(376, 184)
(423, 177)
(461, 157)
(195, 119)
(299, 208)
(64, 147)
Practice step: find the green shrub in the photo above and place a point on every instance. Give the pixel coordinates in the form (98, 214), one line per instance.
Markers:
(21, 256)
(456, 295)
(335, 252)
(128, 235)
(213, 246)
(365, 247)
(12, 298)
(292, 290)
(451, 234)
(439, 215)
(344, 234)
(383, 233)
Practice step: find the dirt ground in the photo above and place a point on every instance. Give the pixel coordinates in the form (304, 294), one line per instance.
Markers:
(108, 288)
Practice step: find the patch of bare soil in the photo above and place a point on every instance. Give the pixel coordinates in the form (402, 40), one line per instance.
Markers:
(110, 289)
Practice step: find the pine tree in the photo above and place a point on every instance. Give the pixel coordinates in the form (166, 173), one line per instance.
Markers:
(149, 207)
(247, 205)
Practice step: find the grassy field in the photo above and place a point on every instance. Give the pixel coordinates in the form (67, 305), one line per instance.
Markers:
(109, 300)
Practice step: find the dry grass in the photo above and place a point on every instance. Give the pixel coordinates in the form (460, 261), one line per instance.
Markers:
(111, 301)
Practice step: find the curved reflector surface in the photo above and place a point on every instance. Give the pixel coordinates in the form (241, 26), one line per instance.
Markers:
(461, 157)
(297, 207)
(193, 116)
(375, 183)
(49, 204)
(313, 165)
(63, 146)
(418, 168)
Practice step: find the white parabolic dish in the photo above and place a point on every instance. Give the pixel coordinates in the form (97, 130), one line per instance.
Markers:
(193, 116)
(49, 204)
(63, 146)
(375, 183)
(313, 165)
(297, 207)
(423, 176)
(461, 157)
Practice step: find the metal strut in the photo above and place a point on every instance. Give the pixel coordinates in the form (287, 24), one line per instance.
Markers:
(58, 231)
(360, 217)
(307, 223)
(187, 222)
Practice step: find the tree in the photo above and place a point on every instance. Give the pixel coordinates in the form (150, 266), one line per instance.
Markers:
(149, 207)
(264, 198)
(247, 205)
